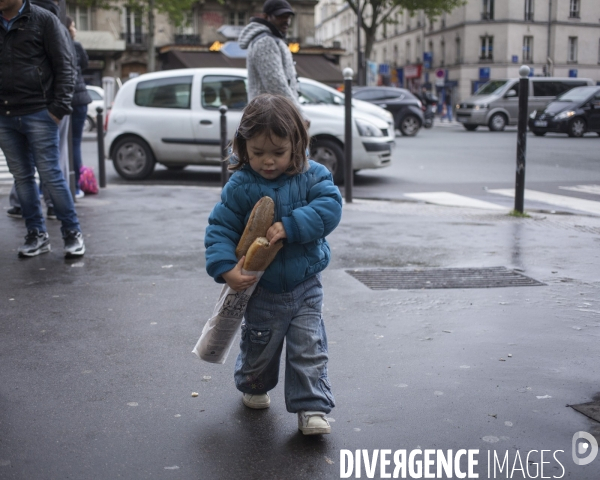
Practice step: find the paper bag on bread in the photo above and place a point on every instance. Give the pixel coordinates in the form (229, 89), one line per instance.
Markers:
(219, 331)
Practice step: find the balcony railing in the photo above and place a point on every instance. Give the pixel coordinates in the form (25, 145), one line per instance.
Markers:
(135, 40)
(487, 16)
(187, 39)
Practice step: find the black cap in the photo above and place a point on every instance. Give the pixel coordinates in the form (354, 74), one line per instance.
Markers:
(277, 7)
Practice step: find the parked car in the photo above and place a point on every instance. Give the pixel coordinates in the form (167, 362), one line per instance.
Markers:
(172, 117)
(574, 113)
(97, 95)
(403, 105)
(496, 103)
(314, 92)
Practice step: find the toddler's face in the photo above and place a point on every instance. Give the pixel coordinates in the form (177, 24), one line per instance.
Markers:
(269, 156)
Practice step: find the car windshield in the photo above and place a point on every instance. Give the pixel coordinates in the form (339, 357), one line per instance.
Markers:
(491, 87)
(314, 95)
(578, 94)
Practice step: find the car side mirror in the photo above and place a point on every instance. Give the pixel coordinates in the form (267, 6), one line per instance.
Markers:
(337, 100)
(511, 93)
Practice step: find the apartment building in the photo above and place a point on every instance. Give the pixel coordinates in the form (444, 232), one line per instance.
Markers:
(117, 39)
(484, 39)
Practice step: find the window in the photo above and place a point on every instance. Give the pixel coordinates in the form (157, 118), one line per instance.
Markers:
(529, 10)
(546, 89)
(408, 52)
(81, 16)
(312, 94)
(487, 48)
(527, 49)
(94, 95)
(220, 90)
(164, 92)
(572, 53)
(443, 53)
(574, 9)
(133, 26)
(444, 20)
(487, 11)
(458, 52)
(395, 55)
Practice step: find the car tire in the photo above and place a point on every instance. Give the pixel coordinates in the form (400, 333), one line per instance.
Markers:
(577, 127)
(409, 125)
(538, 133)
(497, 122)
(88, 124)
(175, 168)
(133, 159)
(331, 155)
(470, 127)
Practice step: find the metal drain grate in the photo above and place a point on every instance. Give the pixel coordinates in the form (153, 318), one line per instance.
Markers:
(396, 279)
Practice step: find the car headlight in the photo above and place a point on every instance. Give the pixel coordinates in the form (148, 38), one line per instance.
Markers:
(533, 114)
(563, 115)
(483, 106)
(367, 129)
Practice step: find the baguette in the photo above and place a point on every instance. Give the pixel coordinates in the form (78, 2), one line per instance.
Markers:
(261, 219)
(261, 254)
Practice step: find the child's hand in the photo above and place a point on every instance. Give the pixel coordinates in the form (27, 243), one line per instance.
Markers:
(276, 232)
(238, 281)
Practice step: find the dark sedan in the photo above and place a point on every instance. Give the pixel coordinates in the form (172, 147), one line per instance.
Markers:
(404, 106)
(574, 113)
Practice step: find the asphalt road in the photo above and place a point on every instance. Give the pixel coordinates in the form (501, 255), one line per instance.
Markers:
(444, 158)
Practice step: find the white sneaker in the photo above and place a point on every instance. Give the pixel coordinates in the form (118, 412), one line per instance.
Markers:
(313, 423)
(257, 402)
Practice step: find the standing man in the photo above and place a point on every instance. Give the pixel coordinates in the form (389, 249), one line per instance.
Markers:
(37, 75)
(269, 61)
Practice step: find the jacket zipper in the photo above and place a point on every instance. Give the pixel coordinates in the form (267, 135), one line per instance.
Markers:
(282, 274)
(39, 70)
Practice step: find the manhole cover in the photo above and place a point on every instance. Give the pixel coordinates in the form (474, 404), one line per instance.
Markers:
(591, 410)
(404, 279)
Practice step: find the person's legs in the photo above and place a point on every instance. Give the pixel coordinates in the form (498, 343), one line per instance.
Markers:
(78, 119)
(13, 142)
(43, 140)
(307, 386)
(263, 331)
(63, 148)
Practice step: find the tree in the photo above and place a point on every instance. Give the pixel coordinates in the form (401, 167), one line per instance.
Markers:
(380, 11)
(176, 10)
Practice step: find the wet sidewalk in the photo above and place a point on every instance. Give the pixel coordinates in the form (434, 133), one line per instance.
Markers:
(97, 371)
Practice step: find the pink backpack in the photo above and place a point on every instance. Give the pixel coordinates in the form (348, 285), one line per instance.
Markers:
(87, 180)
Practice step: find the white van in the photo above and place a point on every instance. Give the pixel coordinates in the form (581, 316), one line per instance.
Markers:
(496, 103)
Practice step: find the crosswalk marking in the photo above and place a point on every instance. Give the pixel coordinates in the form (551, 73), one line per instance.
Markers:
(588, 206)
(6, 177)
(593, 189)
(454, 200)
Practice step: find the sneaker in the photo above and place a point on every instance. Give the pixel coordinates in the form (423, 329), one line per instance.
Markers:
(15, 212)
(50, 214)
(79, 194)
(36, 242)
(257, 402)
(313, 423)
(74, 246)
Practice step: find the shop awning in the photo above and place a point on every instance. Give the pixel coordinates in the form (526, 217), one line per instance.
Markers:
(315, 66)
(99, 41)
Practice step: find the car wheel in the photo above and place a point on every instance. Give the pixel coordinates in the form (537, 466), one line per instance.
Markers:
(409, 126)
(538, 133)
(470, 127)
(577, 127)
(88, 124)
(331, 155)
(175, 168)
(497, 122)
(133, 159)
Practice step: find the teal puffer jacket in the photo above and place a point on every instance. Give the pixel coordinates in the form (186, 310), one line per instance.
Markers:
(308, 204)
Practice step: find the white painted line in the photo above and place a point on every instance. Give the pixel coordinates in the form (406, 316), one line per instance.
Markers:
(593, 189)
(552, 199)
(454, 200)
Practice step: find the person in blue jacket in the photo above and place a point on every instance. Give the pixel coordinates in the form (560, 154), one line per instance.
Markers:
(269, 159)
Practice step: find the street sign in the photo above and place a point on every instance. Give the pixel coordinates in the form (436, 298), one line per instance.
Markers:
(484, 73)
(427, 59)
(515, 59)
(573, 73)
(440, 73)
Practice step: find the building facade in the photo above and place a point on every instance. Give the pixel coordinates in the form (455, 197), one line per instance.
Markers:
(484, 39)
(116, 39)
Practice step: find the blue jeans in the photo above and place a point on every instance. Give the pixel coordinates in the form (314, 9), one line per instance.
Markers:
(30, 142)
(296, 318)
(78, 120)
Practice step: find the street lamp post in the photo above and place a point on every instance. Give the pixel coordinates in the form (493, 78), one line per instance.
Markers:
(522, 138)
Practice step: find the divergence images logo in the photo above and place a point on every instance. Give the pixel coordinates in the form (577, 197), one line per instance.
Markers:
(588, 448)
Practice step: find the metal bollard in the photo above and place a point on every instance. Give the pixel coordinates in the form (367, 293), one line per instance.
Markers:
(522, 138)
(224, 163)
(100, 134)
(348, 173)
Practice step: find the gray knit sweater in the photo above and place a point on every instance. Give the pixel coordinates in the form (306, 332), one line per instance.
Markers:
(269, 63)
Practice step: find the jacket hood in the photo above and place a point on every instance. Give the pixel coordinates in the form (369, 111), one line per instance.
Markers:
(257, 26)
(47, 5)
